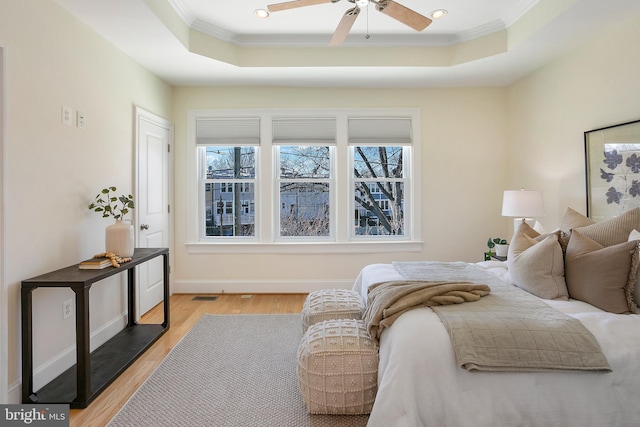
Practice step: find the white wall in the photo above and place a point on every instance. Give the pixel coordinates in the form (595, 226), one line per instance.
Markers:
(594, 86)
(462, 166)
(52, 171)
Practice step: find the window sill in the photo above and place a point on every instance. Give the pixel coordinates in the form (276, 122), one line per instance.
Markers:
(302, 248)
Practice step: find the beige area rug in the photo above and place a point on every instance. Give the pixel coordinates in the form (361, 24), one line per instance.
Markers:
(231, 370)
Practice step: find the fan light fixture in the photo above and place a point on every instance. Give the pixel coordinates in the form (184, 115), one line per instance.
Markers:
(405, 15)
(261, 13)
(437, 14)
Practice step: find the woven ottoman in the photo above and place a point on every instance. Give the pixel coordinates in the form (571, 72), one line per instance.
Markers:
(330, 304)
(338, 368)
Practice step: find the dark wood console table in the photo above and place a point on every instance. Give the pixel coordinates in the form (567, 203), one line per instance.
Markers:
(94, 371)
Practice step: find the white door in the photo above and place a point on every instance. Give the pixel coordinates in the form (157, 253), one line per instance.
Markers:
(153, 148)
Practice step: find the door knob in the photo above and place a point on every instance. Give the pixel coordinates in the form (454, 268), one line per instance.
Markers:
(144, 227)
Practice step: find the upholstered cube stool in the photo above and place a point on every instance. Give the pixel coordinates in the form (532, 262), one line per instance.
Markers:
(329, 304)
(338, 368)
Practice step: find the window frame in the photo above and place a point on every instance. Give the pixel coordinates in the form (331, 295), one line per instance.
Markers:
(266, 189)
(278, 198)
(407, 195)
(226, 186)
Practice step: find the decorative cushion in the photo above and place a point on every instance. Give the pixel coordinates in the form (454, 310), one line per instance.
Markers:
(571, 219)
(614, 230)
(536, 264)
(602, 276)
(338, 368)
(329, 304)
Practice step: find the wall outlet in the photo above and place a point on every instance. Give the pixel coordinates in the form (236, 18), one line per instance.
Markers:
(67, 115)
(67, 308)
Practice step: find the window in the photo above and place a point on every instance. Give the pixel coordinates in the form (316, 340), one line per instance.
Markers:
(341, 177)
(227, 153)
(305, 191)
(379, 147)
(303, 148)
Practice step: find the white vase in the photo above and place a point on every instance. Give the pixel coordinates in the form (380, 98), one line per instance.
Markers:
(119, 238)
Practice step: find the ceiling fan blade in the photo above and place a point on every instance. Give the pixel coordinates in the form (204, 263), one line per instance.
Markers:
(344, 26)
(295, 3)
(403, 14)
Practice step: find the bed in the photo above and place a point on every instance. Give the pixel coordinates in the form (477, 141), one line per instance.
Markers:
(585, 272)
(420, 384)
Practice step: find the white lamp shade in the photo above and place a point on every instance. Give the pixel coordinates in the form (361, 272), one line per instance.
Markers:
(522, 203)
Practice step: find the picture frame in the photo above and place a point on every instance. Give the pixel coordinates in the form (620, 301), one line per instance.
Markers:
(612, 157)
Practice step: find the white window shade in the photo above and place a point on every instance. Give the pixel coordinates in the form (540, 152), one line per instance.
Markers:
(228, 131)
(300, 131)
(380, 131)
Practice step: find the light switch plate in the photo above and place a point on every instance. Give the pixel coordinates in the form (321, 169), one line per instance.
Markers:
(81, 119)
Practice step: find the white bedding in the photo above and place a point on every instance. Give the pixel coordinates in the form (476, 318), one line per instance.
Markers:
(419, 383)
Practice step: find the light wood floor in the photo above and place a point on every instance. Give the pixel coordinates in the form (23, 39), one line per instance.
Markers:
(184, 313)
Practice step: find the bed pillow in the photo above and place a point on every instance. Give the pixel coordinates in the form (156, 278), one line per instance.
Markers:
(527, 230)
(614, 230)
(602, 276)
(571, 219)
(537, 266)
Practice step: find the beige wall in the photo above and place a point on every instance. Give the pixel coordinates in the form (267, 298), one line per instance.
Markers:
(462, 165)
(594, 86)
(52, 171)
(475, 143)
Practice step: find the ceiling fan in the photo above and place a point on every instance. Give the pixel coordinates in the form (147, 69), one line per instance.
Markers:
(395, 10)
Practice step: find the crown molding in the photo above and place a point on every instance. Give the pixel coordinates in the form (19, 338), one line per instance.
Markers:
(183, 11)
(299, 40)
(518, 11)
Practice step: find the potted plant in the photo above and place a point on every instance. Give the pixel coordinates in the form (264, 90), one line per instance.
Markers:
(119, 237)
(501, 246)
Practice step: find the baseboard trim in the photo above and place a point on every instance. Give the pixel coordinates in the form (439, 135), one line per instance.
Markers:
(257, 286)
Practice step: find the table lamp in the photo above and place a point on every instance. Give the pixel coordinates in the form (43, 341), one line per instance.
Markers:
(523, 205)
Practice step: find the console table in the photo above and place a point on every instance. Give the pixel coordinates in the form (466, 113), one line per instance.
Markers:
(94, 371)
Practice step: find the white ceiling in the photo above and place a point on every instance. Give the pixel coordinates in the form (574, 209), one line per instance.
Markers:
(290, 47)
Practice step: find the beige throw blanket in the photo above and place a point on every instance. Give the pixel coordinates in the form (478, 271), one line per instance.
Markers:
(508, 330)
(388, 300)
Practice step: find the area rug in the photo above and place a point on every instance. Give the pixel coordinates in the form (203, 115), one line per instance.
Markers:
(229, 370)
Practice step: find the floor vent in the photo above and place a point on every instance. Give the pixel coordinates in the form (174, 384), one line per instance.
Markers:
(205, 298)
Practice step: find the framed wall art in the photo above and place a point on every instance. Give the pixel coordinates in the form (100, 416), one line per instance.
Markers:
(613, 169)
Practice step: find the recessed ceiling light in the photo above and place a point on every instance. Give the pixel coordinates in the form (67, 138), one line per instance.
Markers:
(437, 14)
(261, 13)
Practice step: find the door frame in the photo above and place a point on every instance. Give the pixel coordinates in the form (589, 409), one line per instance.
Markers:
(142, 114)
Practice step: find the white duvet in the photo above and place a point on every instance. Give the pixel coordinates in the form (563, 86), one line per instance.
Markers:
(419, 383)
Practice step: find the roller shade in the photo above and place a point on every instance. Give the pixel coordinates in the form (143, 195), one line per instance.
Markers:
(300, 131)
(228, 131)
(380, 131)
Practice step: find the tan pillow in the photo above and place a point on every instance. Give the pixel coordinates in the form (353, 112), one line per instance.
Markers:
(614, 230)
(528, 230)
(602, 276)
(535, 234)
(571, 219)
(537, 266)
